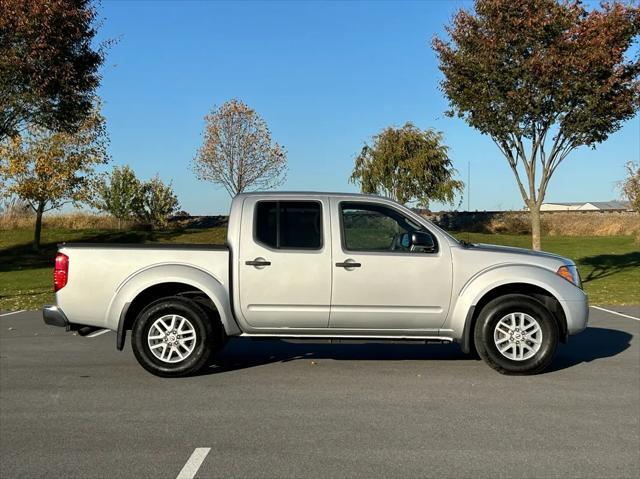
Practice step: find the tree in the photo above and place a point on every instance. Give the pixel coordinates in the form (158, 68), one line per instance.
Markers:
(237, 152)
(630, 186)
(541, 78)
(158, 202)
(407, 165)
(120, 194)
(49, 169)
(48, 67)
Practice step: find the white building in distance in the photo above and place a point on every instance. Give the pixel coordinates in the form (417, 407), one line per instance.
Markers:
(587, 206)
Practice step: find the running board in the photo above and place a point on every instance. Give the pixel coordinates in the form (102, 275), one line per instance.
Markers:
(437, 339)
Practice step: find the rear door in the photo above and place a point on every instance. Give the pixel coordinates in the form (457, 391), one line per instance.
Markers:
(285, 262)
(379, 282)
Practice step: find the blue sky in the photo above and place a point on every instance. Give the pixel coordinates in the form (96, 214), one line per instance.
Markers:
(325, 77)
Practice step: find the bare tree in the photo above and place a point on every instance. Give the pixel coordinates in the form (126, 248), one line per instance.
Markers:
(237, 152)
(630, 186)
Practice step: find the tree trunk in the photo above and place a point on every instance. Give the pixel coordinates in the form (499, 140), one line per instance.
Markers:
(38, 228)
(534, 210)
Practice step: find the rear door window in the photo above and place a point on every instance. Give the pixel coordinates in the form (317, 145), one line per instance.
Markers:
(289, 224)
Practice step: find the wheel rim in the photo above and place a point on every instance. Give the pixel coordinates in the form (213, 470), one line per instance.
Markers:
(518, 336)
(172, 338)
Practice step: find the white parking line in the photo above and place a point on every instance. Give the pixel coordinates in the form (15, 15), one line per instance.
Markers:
(193, 463)
(12, 312)
(615, 312)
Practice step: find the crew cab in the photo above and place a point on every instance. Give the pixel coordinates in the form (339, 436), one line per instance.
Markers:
(320, 266)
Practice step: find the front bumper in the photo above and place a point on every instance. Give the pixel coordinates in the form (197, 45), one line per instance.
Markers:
(54, 316)
(577, 314)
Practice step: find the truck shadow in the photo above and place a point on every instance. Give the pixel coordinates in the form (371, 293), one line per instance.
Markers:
(590, 345)
(244, 353)
(240, 353)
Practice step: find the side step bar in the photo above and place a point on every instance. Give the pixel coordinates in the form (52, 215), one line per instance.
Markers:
(435, 339)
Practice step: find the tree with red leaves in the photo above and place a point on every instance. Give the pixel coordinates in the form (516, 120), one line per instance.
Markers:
(541, 78)
(48, 66)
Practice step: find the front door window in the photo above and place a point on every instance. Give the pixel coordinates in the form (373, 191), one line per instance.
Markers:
(375, 228)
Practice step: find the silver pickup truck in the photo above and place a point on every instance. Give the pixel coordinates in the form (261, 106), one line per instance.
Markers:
(320, 266)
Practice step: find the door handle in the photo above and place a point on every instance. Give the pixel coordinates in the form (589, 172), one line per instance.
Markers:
(348, 264)
(258, 262)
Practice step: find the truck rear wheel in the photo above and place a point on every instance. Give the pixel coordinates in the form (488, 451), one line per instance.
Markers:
(173, 337)
(516, 334)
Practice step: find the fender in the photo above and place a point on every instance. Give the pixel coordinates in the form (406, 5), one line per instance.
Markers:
(189, 274)
(458, 321)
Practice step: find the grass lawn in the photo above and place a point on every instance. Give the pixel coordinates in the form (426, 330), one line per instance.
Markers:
(609, 265)
(26, 278)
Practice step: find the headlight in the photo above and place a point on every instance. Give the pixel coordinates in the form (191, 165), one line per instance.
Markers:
(570, 273)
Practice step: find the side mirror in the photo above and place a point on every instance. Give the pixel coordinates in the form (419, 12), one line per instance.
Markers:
(422, 241)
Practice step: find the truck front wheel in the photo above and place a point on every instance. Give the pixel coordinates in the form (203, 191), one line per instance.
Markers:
(173, 337)
(516, 334)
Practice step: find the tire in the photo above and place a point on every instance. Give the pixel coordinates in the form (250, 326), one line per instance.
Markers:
(182, 349)
(220, 336)
(500, 326)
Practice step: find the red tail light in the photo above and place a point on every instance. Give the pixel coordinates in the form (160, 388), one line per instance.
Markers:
(60, 272)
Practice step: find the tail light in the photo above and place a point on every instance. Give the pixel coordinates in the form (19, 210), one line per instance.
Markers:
(60, 272)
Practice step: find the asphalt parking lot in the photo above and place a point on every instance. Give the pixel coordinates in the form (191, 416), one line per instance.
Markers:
(76, 407)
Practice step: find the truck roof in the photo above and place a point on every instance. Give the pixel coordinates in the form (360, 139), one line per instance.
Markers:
(310, 193)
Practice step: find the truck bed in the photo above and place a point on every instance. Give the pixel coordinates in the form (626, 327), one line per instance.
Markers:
(98, 271)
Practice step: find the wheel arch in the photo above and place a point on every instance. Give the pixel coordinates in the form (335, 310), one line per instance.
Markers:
(544, 296)
(168, 280)
(543, 285)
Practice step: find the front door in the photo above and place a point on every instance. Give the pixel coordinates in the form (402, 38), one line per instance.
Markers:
(379, 281)
(285, 263)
